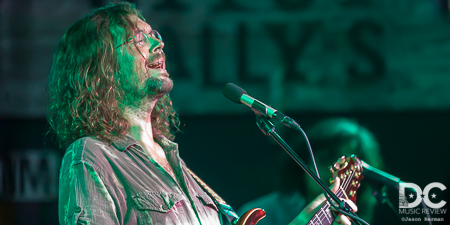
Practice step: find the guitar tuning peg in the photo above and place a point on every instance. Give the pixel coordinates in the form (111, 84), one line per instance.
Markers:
(347, 172)
(337, 166)
(331, 169)
(352, 167)
(342, 176)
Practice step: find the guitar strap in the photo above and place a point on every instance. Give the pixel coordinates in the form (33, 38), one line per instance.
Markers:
(223, 207)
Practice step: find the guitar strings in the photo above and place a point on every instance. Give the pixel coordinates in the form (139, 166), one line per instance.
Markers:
(327, 204)
(339, 193)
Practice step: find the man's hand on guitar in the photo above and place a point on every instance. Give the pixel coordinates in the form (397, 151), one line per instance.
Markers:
(310, 210)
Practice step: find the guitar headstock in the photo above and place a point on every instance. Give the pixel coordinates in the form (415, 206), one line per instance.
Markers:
(349, 171)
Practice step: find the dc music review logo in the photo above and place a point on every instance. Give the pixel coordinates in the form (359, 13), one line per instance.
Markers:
(403, 203)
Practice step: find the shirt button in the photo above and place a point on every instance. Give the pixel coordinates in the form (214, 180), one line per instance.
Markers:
(165, 207)
(78, 209)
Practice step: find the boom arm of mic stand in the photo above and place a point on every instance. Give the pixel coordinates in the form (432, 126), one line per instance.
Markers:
(269, 130)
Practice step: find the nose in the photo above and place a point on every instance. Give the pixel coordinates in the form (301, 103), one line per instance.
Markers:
(157, 47)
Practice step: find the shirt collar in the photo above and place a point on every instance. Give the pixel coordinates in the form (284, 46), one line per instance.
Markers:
(167, 144)
(124, 143)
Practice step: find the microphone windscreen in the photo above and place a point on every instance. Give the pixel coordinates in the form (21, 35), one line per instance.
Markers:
(233, 92)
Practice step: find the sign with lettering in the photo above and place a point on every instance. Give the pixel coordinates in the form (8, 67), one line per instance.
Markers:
(332, 56)
(30, 175)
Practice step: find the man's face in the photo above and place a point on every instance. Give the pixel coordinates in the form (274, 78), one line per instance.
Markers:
(151, 79)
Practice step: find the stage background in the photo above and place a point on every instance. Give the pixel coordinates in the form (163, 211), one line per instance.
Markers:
(384, 63)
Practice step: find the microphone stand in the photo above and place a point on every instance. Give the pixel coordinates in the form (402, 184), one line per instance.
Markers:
(268, 129)
(377, 179)
(382, 199)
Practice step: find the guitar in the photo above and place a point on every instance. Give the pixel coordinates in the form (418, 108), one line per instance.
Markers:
(348, 169)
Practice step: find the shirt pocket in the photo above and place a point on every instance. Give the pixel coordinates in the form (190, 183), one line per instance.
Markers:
(207, 201)
(76, 216)
(156, 201)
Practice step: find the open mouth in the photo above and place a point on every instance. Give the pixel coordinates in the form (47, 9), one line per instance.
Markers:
(156, 65)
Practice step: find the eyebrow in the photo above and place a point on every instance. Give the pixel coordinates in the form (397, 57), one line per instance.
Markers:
(144, 29)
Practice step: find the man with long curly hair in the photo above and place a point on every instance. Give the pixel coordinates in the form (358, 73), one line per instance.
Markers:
(110, 107)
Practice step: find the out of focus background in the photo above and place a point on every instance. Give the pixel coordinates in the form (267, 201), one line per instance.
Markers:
(382, 63)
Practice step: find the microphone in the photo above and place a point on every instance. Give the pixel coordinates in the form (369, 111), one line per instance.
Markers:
(239, 95)
(377, 175)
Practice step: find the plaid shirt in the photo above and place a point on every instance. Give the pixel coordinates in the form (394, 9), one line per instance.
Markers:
(121, 184)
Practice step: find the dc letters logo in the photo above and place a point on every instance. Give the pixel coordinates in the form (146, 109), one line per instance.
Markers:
(420, 195)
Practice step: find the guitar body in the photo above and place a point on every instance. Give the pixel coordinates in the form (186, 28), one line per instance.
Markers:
(348, 169)
(251, 217)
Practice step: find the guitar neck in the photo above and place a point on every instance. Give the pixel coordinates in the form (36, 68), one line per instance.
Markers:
(346, 169)
(323, 216)
(350, 179)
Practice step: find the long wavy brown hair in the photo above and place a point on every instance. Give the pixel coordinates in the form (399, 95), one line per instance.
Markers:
(86, 80)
